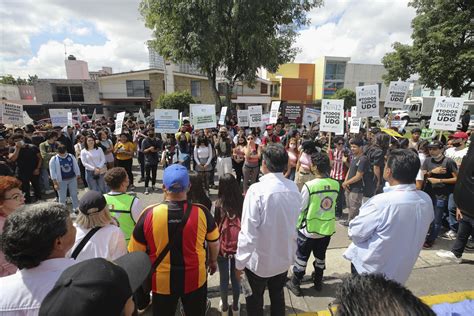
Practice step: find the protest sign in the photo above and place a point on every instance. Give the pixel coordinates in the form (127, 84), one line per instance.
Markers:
(94, 115)
(27, 119)
(59, 117)
(223, 114)
(11, 113)
(332, 116)
(119, 123)
(353, 111)
(397, 92)
(141, 116)
(69, 119)
(367, 101)
(79, 116)
(310, 116)
(399, 124)
(446, 113)
(274, 110)
(255, 115)
(166, 121)
(204, 115)
(355, 125)
(292, 113)
(243, 118)
(265, 121)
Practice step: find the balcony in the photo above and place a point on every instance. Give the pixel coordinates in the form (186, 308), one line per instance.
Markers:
(62, 97)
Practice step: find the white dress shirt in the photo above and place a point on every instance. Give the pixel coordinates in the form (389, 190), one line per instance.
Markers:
(388, 234)
(267, 239)
(22, 293)
(108, 243)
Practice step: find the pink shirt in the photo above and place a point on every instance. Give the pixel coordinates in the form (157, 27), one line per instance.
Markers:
(305, 161)
(6, 268)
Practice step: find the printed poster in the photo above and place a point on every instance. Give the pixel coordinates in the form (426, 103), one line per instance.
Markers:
(396, 95)
(274, 110)
(11, 113)
(355, 125)
(446, 113)
(367, 100)
(222, 116)
(119, 123)
(166, 121)
(310, 116)
(59, 117)
(332, 116)
(243, 118)
(255, 115)
(203, 115)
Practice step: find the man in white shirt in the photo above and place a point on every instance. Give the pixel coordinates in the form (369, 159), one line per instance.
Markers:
(267, 240)
(36, 240)
(388, 234)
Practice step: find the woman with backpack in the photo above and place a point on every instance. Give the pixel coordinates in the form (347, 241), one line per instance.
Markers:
(228, 213)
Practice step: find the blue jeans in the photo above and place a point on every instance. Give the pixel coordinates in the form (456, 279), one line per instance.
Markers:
(44, 180)
(453, 223)
(224, 272)
(440, 205)
(70, 184)
(96, 184)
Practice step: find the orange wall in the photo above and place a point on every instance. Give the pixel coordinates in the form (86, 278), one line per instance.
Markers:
(294, 89)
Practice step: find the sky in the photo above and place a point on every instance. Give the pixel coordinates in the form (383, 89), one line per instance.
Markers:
(35, 34)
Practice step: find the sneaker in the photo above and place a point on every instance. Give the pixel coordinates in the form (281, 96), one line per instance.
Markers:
(153, 188)
(146, 191)
(469, 246)
(428, 245)
(448, 255)
(449, 235)
(221, 309)
(294, 288)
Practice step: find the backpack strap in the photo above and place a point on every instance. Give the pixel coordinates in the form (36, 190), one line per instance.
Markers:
(83, 242)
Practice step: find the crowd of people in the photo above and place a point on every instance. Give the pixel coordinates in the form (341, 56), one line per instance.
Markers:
(281, 191)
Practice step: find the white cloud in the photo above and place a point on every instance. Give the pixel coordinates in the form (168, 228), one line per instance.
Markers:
(81, 31)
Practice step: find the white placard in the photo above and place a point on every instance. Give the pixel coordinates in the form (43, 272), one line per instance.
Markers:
(79, 116)
(11, 113)
(27, 119)
(204, 115)
(243, 118)
(332, 116)
(399, 124)
(69, 119)
(367, 100)
(59, 117)
(166, 121)
(355, 125)
(396, 95)
(310, 116)
(353, 111)
(255, 115)
(119, 123)
(274, 110)
(141, 116)
(222, 116)
(446, 113)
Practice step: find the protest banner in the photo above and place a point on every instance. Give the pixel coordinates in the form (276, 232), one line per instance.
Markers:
(94, 115)
(367, 101)
(69, 119)
(59, 117)
(399, 124)
(204, 115)
(355, 125)
(353, 111)
(255, 115)
(243, 118)
(141, 116)
(166, 121)
(396, 95)
(11, 113)
(119, 123)
(310, 116)
(332, 116)
(265, 121)
(446, 113)
(292, 113)
(222, 116)
(27, 119)
(274, 111)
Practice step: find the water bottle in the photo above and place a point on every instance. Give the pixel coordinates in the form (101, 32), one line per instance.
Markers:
(244, 283)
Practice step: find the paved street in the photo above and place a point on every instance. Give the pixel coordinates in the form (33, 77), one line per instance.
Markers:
(432, 275)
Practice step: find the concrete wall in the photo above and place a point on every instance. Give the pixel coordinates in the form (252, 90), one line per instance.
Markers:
(26, 92)
(156, 88)
(45, 89)
(9, 92)
(77, 69)
(184, 84)
(115, 87)
(366, 73)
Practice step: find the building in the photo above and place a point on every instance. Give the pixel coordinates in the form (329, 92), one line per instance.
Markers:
(134, 90)
(244, 95)
(76, 69)
(293, 83)
(9, 92)
(105, 71)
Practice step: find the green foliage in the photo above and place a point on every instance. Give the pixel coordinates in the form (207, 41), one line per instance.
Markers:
(442, 53)
(236, 37)
(176, 100)
(347, 95)
(9, 79)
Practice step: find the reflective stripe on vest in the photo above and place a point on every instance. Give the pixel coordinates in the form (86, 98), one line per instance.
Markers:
(120, 207)
(320, 215)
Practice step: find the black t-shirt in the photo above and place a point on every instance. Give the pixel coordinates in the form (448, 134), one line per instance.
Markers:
(357, 164)
(151, 158)
(376, 157)
(440, 189)
(27, 158)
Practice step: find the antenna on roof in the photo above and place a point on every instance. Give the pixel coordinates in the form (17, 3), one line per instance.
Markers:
(65, 52)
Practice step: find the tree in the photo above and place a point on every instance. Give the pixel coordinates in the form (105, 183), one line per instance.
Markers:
(442, 53)
(9, 79)
(176, 100)
(233, 37)
(348, 96)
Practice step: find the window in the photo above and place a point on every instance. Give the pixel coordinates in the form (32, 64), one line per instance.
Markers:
(335, 70)
(76, 93)
(195, 88)
(331, 87)
(138, 88)
(68, 94)
(263, 88)
(275, 90)
(361, 84)
(309, 90)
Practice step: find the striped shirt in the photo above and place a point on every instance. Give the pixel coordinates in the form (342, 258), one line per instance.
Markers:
(183, 270)
(338, 171)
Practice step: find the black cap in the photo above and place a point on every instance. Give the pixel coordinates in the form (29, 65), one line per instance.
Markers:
(435, 144)
(97, 286)
(416, 130)
(92, 202)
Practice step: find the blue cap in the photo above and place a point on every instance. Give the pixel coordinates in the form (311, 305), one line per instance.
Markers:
(176, 178)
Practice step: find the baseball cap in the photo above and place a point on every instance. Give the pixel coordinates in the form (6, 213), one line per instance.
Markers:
(97, 286)
(176, 178)
(416, 130)
(435, 144)
(92, 202)
(269, 126)
(462, 135)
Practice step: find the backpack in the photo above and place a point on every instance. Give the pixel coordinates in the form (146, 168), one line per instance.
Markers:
(229, 235)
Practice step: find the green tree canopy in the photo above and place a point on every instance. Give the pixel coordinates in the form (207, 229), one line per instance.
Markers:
(233, 37)
(442, 53)
(9, 79)
(176, 100)
(347, 95)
